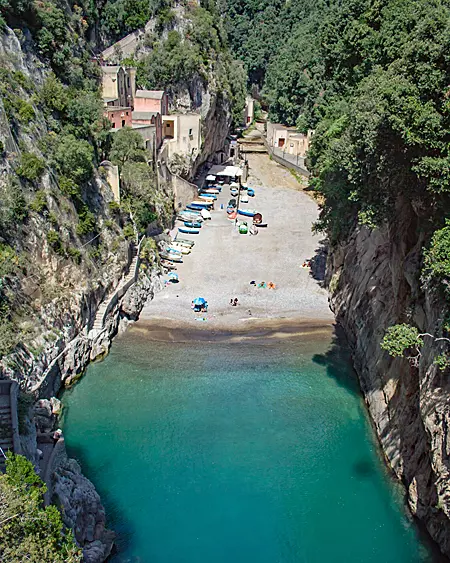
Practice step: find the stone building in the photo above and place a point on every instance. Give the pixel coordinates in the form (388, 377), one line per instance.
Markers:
(182, 134)
(155, 101)
(118, 85)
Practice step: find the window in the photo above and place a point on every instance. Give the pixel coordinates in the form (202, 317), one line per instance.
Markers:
(113, 126)
(190, 132)
(127, 113)
(123, 122)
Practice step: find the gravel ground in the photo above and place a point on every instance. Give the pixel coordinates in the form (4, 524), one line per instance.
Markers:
(223, 262)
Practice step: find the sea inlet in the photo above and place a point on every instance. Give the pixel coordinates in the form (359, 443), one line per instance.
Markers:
(237, 451)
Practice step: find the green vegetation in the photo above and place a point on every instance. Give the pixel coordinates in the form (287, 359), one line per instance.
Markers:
(28, 531)
(39, 203)
(127, 146)
(31, 167)
(399, 338)
(198, 54)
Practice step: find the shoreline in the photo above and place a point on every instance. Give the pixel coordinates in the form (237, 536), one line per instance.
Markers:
(165, 329)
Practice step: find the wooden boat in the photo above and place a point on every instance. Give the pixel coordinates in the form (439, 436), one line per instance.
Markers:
(171, 257)
(246, 212)
(182, 249)
(184, 241)
(202, 202)
(188, 231)
(188, 217)
(192, 224)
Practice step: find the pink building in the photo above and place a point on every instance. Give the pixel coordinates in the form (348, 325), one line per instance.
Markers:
(118, 116)
(155, 101)
(149, 118)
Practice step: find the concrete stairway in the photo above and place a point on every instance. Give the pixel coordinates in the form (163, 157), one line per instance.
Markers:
(6, 433)
(100, 316)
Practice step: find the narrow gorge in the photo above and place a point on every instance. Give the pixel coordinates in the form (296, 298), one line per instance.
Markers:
(119, 121)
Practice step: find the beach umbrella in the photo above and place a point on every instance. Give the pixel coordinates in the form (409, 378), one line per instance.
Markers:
(199, 301)
(173, 276)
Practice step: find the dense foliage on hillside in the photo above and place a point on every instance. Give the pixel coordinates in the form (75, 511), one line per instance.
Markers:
(199, 53)
(28, 530)
(373, 79)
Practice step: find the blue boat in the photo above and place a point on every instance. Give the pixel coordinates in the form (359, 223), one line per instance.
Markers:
(188, 231)
(246, 212)
(192, 225)
(208, 196)
(195, 207)
(251, 192)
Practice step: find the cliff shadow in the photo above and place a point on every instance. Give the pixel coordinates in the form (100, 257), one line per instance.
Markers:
(318, 262)
(115, 519)
(338, 362)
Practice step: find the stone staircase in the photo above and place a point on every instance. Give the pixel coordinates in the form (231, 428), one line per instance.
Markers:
(8, 420)
(101, 312)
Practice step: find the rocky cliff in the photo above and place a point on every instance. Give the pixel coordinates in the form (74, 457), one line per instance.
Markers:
(374, 281)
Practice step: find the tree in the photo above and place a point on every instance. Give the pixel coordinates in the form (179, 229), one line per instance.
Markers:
(29, 532)
(127, 146)
(74, 158)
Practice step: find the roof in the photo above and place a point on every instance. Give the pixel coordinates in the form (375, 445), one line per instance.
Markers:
(142, 126)
(280, 127)
(116, 108)
(150, 94)
(225, 170)
(110, 69)
(144, 114)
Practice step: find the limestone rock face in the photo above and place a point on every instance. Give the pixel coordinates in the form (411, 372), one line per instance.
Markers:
(82, 511)
(374, 281)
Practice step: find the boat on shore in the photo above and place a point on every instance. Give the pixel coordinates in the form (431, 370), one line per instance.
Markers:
(171, 257)
(188, 231)
(178, 248)
(192, 224)
(184, 242)
(247, 212)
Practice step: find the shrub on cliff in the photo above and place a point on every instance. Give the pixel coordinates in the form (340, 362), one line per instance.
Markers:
(28, 530)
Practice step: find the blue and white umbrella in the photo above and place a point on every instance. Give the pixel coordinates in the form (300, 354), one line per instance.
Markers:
(199, 301)
(173, 276)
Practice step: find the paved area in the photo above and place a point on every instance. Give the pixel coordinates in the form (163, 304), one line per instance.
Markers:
(223, 262)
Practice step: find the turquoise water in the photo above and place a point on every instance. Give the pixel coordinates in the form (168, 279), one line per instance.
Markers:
(243, 452)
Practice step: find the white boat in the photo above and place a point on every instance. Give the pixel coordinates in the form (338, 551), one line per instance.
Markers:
(179, 248)
(184, 242)
(244, 198)
(205, 214)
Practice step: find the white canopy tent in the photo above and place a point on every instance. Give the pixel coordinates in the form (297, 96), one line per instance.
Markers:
(225, 170)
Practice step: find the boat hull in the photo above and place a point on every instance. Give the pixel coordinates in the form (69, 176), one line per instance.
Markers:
(187, 231)
(246, 213)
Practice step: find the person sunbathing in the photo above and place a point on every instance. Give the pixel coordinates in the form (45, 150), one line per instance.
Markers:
(271, 285)
(262, 284)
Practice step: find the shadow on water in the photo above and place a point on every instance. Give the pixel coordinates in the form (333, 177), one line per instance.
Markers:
(338, 364)
(116, 520)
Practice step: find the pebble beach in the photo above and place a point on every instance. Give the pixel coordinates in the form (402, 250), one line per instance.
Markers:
(223, 263)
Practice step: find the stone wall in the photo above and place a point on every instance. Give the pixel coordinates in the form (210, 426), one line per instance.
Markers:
(374, 280)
